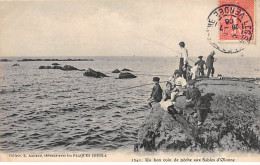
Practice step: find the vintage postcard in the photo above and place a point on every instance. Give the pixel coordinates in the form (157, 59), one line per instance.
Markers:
(130, 81)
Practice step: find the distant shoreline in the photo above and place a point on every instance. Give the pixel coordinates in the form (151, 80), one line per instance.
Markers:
(29, 59)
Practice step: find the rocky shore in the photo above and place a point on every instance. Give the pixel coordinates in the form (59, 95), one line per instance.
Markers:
(5, 60)
(232, 125)
(64, 68)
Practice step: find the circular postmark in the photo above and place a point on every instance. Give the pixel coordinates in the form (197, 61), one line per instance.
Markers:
(229, 23)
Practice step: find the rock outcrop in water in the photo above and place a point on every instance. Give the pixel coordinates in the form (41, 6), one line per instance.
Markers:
(45, 67)
(65, 68)
(56, 67)
(126, 70)
(5, 60)
(126, 75)
(55, 63)
(233, 124)
(69, 67)
(92, 73)
(51, 59)
(116, 71)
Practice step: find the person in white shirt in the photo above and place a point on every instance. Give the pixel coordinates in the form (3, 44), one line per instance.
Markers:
(179, 82)
(184, 55)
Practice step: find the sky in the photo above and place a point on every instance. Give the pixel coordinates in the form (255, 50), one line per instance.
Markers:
(108, 28)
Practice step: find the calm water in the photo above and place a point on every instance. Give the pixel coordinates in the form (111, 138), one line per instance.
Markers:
(63, 110)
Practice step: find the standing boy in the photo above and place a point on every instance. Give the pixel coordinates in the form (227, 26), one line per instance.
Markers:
(200, 64)
(184, 55)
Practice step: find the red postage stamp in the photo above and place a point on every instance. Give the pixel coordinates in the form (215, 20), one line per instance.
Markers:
(231, 21)
(236, 20)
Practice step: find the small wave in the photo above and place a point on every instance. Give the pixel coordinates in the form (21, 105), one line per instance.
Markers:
(58, 143)
(42, 147)
(120, 138)
(41, 97)
(37, 118)
(68, 109)
(119, 106)
(96, 136)
(87, 116)
(4, 91)
(23, 137)
(88, 142)
(110, 147)
(116, 116)
(63, 97)
(20, 121)
(6, 134)
(27, 85)
(13, 115)
(130, 112)
(30, 113)
(35, 136)
(95, 128)
(108, 132)
(103, 107)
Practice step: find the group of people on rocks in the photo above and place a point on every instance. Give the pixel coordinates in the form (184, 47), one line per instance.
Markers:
(182, 83)
(188, 72)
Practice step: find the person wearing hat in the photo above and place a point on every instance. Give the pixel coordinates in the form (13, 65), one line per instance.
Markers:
(192, 96)
(209, 64)
(200, 64)
(179, 84)
(178, 81)
(156, 95)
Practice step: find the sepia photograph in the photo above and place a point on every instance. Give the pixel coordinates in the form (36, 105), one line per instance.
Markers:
(130, 81)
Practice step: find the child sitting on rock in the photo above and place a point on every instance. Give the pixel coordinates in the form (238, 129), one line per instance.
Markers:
(156, 95)
(192, 97)
(168, 98)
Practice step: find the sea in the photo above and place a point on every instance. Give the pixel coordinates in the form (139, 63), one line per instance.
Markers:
(47, 109)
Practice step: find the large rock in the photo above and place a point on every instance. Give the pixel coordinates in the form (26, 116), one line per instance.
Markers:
(92, 73)
(16, 65)
(5, 60)
(68, 68)
(65, 68)
(126, 75)
(126, 70)
(57, 67)
(55, 63)
(116, 71)
(45, 67)
(233, 124)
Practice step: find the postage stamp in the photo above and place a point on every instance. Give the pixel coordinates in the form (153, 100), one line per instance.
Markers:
(232, 21)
